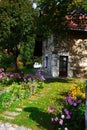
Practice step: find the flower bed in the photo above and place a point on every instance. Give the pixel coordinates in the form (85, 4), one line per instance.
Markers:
(72, 116)
(19, 86)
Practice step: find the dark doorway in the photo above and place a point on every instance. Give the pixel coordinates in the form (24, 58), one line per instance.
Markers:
(38, 48)
(63, 66)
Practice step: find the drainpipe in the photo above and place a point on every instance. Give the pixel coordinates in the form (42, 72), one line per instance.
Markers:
(86, 108)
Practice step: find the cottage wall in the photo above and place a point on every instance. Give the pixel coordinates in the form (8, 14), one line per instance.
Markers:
(79, 57)
(47, 50)
(74, 47)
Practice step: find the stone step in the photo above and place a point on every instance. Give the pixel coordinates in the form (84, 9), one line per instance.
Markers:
(8, 117)
(18, 109)
(8, 126)
(12, 114)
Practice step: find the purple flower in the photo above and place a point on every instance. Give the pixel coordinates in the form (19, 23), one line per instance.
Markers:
(28, 76)
(1, 70)
(10, 75)
(42, 77)
(68, 116)
(66, 111)
(79, 101)
(74, 104)
(69, 100)
(39, 75)
(61, 122)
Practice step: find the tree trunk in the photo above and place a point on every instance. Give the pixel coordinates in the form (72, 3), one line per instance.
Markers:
(16, 53)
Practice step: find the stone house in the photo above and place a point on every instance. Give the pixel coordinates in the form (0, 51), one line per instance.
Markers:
(68, 58)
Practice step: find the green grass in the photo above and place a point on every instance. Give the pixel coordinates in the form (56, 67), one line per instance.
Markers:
(35, 113)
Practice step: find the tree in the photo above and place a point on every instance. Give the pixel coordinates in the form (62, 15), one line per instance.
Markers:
(84, 5)
(27, 51)
(17, 26)
(54, 12)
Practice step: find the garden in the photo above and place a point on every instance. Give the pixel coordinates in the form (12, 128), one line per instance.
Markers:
(46, 104)
(26, 97)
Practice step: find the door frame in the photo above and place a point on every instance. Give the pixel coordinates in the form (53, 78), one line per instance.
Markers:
(63, 66)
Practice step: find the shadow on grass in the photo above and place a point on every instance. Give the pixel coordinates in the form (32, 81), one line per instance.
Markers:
(62, 80)
(42, 118)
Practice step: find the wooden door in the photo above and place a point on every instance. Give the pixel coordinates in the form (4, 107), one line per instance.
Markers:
(63, 66)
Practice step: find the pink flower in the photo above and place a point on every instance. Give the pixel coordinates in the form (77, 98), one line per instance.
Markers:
(56, 118)
(51, 109)
(60, 121)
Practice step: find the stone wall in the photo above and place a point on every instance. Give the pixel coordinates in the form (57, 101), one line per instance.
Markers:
(74, 46)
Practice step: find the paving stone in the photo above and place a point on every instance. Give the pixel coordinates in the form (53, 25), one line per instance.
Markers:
(15, 126)
(8, 125)
(21, 128)
(41, 95)
(11, 113)
(18, 109)
(8, 117)
(3, 128)
(2, 125)
(11, 128)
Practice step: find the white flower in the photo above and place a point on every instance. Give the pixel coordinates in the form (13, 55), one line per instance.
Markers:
(65, 128)
(62, 116)
(52, 119)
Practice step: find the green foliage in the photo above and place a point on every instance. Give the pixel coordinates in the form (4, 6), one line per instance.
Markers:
(81, 110)
(84, 5)
(30, 86)
(17, 93)
(54, 12)
(17, 27)
(6, 60)
(26, 50)
(78, 113)
(5, 100)
(81, 86)
(35, 110)
(38, 59)
(6, 81)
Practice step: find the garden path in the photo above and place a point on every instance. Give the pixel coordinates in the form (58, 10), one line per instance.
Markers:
(8, 126)
(11, 115)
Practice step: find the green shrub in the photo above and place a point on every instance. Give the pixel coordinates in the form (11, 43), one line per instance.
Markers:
(6, 60)
(30, 86)
(5, 99)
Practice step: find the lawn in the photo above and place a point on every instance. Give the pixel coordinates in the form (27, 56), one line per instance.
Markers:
(35, 112)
